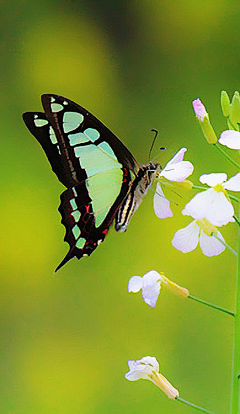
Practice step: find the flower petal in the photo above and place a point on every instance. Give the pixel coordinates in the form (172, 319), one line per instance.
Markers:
(136, 375)
(151, 361)
(198, 206)
(211, 246)
(233, 183)
(150, 295)
(213, 179)
(161, 204)
(177, 172)
(178, 157)
(220, 210)
(135, 284)
(186, 239)
(230, 139)
(142, 368)
(150, 278)
(151, 286)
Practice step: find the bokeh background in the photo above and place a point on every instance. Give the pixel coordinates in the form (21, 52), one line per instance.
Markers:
(66, 338)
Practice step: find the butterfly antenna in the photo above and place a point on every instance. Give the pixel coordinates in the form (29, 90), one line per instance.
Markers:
(154, 139)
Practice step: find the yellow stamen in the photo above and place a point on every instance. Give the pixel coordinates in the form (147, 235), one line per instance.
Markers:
(206, 226)
(219, 188)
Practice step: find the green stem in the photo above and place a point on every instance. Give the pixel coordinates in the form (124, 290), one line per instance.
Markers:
(237, 220)
(225, 244)
(231, 124)
(211, 305)
(235, 405)
(233, 198)
(203, 410)
(226, 155)
(198, 187)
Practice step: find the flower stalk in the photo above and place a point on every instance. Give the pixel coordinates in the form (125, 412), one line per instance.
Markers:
(211, 305)
(197, 407)
(237, 220)
(235, 404)
(219, 147)
(225, 244)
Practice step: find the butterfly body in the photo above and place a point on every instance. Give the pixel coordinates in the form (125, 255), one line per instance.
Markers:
(103, 180)
(138, 189)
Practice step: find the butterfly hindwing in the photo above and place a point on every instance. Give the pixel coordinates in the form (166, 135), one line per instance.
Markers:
(87, 220)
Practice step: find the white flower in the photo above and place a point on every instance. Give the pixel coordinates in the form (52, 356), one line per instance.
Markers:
(150, 284)
(176, 170)
(213, 203)
(200, 230)
(148, 368)
(230, 139)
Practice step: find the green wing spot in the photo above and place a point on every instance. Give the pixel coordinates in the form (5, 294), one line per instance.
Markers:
(80, 243)
(94, 160)
(103, 190)
(106, 148)
(55, 107)
(92, 134)
(76, 231)
(79, 138)
(73, 204)
(40, 122)
(52, 135)
(76, 215)
(71, 121)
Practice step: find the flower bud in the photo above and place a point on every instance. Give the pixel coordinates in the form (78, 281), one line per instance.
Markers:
(225, 104)
(204, 122)
(235, 110)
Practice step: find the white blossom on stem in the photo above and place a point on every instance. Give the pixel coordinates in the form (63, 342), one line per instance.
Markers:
(213, 204)
(148, 368)
(151, 284)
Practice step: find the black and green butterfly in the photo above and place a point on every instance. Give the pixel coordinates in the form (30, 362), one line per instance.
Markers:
(104, 182)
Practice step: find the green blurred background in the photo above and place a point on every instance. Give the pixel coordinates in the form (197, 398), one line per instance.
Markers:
(66, 339)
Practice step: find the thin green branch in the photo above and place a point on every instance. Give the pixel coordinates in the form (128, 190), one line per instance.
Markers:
(237, 220)
(225, 244)
(233, 198)
(231, 124)
(203, 410)
(226, 155)
(211, 305)
(198, 187)
(235, 383)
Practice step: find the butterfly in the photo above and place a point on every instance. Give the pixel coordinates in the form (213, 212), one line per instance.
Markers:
(103, 180)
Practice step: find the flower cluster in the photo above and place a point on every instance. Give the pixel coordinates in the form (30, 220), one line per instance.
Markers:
(211, 208)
